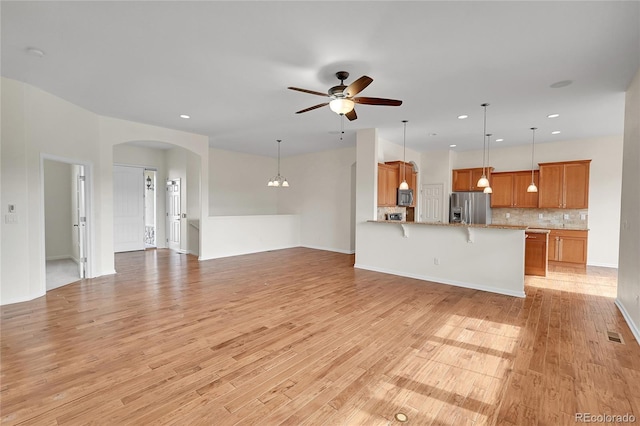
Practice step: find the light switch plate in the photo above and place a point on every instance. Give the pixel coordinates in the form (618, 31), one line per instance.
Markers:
(565, 216)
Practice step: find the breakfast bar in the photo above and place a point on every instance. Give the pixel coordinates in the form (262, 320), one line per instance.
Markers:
(482, 257)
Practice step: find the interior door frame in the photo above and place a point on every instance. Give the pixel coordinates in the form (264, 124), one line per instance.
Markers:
(89, 249)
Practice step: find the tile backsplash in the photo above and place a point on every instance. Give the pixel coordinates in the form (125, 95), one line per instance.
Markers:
(383, 211)
(542, 218)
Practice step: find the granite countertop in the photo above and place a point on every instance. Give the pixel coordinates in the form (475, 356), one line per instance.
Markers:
(459, 225)
(532, 229)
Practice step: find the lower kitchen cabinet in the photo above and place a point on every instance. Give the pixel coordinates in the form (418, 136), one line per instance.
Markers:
(535, 254)
(568, 246)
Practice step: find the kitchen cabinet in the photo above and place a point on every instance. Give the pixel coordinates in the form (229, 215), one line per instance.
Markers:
(387, 184)
(569, 246)
(564, 185)
(510, 189)
(466, 179)
(405, 170)
(535, 253)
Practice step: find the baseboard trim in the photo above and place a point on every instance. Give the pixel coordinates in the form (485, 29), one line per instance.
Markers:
(627, 318)
(436, 280)
(604, 265)
(328, 249)
(61, 257)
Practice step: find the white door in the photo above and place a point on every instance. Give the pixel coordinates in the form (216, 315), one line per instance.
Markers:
(173, 214)
(128, 208)
(432, 202)
(81, 224)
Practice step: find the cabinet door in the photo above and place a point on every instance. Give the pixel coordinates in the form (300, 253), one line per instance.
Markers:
(461, 180)
(382, 186)
(573, 250)
(476, 174)
(413, 184)
(392, 186)
(552, 249)
(502, 186)
(576, 186)
(551, 186)
(522, 198)
(535, 257)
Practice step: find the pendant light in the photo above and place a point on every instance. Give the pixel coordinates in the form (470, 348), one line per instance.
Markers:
(532, 186)
(487, 189)
(278, 180)
(483, 182)
(404, 184)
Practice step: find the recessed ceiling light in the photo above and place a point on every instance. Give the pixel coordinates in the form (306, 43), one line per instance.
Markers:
(452, 145)
(555, 132)
(499, 140)
(185, 116)
(559, 84)
(433, 134)
(462, 117)
(553, 115)
(35, 52)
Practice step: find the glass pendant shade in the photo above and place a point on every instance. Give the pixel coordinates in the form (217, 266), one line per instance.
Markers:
(341, 105)
(404, 185)
(488, 190)
(483, 182)
(532, 187)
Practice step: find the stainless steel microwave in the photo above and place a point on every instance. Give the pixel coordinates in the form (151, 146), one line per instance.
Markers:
(405, 197)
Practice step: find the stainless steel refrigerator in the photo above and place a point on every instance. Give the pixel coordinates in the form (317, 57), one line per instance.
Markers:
(470, 208)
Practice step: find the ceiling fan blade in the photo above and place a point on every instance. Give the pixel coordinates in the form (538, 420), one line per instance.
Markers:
(351, 115)
(377, 101)
(313, 92)
(312, 108)
(357, 86)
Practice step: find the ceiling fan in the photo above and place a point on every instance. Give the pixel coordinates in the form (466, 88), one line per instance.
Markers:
(342, 97)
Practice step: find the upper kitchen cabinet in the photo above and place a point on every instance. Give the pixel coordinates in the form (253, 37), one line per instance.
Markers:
(405, 171)
(564, 185)
(510, 189)
(387, 184)
(466, 179)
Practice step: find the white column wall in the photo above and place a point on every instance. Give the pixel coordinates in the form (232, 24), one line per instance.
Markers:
(628, 299)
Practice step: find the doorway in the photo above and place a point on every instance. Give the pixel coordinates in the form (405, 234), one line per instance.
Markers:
(432, 202)
(174, 214)
(65, 205)
(150, 241)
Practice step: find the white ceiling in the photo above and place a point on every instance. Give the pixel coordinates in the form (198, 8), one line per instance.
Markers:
(228, 65)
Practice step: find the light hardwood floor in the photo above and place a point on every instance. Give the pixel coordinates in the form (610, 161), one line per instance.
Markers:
(299, 336)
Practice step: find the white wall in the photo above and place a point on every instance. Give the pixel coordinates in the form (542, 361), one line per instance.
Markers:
(236, 235)
(322, 193)
(604, 185)
(628, 299)
(36, 124)
(57, 208)
(436, 168)
(238, 184)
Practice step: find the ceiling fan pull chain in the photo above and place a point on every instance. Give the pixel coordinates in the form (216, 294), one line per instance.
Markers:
(341, 125)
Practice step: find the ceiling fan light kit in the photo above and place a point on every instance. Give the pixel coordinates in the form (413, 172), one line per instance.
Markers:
(342, 97)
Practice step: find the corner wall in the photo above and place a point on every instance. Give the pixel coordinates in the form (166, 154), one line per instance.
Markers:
(628, 300)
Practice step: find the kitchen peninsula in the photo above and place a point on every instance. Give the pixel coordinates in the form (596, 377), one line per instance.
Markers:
(482, 257)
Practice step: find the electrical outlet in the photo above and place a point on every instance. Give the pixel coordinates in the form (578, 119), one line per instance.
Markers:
(540, 216)
(508, 215)
(436, 261)
(565, 216)
(583, 216)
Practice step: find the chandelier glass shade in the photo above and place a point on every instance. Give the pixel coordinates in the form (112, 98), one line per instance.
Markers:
(278, 180)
